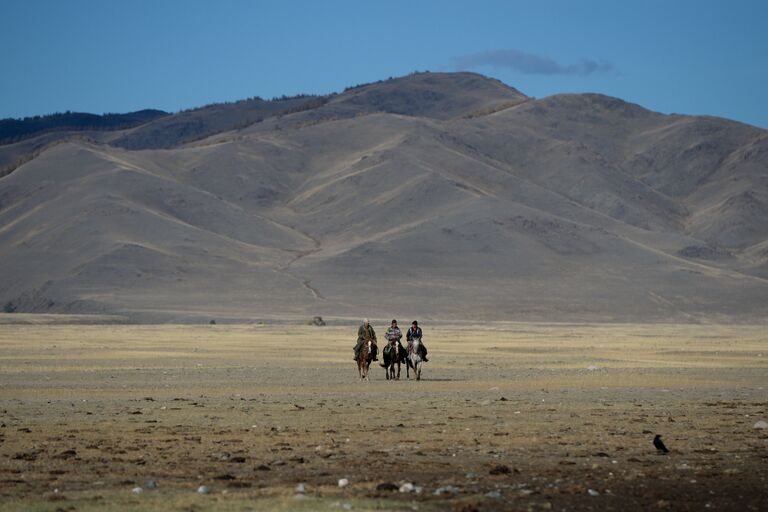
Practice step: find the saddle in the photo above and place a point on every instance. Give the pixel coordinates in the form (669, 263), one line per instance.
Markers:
(410, 348)
(388, 351)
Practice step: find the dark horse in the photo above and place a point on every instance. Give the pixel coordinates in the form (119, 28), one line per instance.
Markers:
(393, 356)
(364, 358)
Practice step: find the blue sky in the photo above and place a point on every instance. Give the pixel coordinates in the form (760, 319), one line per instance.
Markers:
(692, 57)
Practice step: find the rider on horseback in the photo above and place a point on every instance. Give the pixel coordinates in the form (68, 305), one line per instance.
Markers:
(393, 335)
(366, 331)
(414, 333)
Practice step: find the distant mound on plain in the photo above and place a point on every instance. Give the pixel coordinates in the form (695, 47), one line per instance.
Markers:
(436, 195)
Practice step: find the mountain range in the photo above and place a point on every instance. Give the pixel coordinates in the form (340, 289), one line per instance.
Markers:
(442, 196)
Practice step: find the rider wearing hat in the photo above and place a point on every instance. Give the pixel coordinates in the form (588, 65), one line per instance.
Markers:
(414, 333)
(393, 334)
(366, 331)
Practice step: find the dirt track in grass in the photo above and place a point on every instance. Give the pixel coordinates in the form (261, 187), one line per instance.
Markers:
(507, 417)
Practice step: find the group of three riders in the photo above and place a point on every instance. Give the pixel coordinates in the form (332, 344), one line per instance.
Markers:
(393, 335)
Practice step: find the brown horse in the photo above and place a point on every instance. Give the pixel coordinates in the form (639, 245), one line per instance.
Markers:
(392, 357)
(364, 358)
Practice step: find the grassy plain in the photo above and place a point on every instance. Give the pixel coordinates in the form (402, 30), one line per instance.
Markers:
(508, 416)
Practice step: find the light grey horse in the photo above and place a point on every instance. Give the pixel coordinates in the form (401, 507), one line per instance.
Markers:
(414, 359)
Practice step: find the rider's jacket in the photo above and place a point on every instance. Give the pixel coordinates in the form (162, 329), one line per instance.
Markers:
(413, 334)
(363, 332)
(394, 333)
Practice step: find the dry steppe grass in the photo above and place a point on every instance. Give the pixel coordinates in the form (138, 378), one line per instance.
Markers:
(514, 416)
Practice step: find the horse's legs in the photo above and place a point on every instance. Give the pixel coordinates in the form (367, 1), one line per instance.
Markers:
(398, 370)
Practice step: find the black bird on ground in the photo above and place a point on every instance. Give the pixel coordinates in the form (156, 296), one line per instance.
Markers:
(659, 444)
